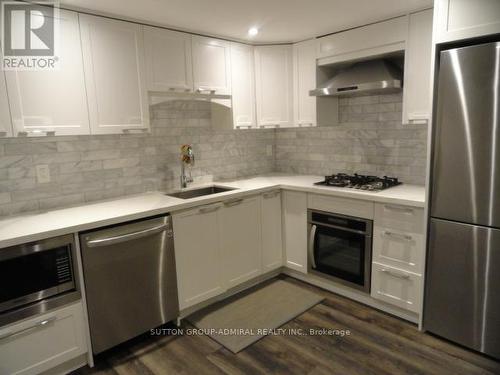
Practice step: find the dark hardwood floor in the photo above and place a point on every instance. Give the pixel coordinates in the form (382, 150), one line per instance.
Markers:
(378, 344)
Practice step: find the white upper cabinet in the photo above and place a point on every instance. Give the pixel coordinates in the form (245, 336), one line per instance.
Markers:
(211, 65)
(5, 120)
(304, 79)
(243, 86)
(52, 101)
(168, 60)
(113, 56)
(378, 38)
(273, 85)
(417, 75)
(462, 19)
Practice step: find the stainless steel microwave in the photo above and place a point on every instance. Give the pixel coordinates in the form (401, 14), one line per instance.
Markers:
(34, 276)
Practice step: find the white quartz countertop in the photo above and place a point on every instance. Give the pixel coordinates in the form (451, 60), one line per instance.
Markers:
(27, 228)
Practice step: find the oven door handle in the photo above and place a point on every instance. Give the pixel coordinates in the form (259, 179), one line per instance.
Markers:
(312, 238)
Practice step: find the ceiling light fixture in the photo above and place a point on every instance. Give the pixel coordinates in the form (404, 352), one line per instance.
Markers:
(253, 31)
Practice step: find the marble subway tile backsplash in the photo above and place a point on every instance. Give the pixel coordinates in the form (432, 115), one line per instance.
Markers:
(91, 168)
(369, 139)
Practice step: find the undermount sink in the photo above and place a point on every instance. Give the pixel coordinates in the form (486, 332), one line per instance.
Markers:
(187, 194)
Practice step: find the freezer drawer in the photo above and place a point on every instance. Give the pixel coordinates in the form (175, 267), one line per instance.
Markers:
(130, 280)
(462, 302)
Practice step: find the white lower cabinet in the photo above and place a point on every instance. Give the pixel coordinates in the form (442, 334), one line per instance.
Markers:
(39, 344)
(272, 244)
(398, 255)
(398, 249)
(240, 240)
(217, 247)
(295, 230)
(396, 287)
(197, 255)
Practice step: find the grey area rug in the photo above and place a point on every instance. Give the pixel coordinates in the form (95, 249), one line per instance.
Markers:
(243, 319)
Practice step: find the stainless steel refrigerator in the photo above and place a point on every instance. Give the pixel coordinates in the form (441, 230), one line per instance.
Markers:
(462, 299)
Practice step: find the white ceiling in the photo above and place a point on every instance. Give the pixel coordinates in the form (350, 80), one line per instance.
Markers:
(278, 20)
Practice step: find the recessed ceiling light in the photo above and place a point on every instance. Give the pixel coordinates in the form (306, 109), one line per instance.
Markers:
(253, 31)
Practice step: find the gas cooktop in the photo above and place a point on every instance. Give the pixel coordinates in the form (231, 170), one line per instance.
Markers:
(359, 181)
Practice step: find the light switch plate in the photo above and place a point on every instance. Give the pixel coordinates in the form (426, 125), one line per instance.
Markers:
(42, 173)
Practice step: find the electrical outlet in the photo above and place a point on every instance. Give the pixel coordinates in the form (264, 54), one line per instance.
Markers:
(42, 173)
(269, 150)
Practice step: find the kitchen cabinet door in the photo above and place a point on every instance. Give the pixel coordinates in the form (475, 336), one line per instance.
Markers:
(361, 42)
(460, 19)
(41, 343)
(5, 119)
(211, 65)
(273, 86)
(113, 57)
(243, 86)
(52, 101)
(417, 75)
(197, 255)
(304, 79)
(295, 230)
(168, 60)
(240, 239)
(272, 245)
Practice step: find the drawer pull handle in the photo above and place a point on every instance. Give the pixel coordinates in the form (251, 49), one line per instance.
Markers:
(271, 194)
(398, 275)
(404, 237)
(37, 325)
(206, 210)
(233, 202)
(407, 211)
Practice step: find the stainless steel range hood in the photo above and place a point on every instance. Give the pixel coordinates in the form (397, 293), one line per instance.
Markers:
(373, 76)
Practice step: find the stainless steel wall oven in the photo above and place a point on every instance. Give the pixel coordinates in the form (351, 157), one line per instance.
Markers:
(340, 248)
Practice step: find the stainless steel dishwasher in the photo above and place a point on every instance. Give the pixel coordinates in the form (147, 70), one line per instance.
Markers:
(130, 279)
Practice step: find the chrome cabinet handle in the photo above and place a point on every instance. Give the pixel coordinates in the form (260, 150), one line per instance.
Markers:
(271, 194)
(203, 89)
(398, 236)
(37, 325)
(206, 210)
(398, 275)
(37, 132)
(127, 237)
(312, 238)
(134, 130)
(243, 126)
(234, 202)
(406, 210)
(269, 126)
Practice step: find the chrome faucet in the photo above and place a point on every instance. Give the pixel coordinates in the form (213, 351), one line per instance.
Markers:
(187, 158)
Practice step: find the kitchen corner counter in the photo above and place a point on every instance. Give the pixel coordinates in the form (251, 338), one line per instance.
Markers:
(27, 228)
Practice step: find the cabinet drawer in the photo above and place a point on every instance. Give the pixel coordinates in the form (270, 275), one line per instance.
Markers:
(41, 343)
(405, 218)
(396, 287)
(344, 206)
(398, 249)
